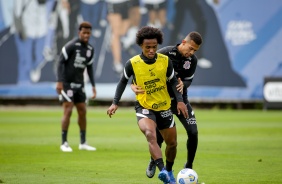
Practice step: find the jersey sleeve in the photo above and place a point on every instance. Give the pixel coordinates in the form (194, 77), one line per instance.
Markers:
(64, 56)
(91, 75)
(127, 73)
(90, 71)
(172, 80)
(170, 71)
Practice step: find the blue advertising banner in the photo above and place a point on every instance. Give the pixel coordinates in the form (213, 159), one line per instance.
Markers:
(242, 43)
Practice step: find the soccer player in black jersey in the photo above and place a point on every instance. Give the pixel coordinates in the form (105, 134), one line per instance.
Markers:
(76, 56)
(184, 63)
(151, 71)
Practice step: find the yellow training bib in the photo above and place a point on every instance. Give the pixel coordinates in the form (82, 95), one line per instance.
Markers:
(152, 78)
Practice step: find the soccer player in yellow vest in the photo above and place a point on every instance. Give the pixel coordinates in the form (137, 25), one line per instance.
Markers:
(151, 71)
(184, 60)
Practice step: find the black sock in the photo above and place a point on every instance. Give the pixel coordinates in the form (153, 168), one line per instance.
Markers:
(169, 165)
(192, 144)
(160, 163)
(64, 136)
(82, 136)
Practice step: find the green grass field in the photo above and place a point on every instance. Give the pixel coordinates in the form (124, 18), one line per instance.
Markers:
(235, 146)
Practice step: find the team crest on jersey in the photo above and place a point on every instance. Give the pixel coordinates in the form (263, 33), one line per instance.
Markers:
(145, 111)
(70, 93)
(88, 53)
(187, 65)
(151, 72)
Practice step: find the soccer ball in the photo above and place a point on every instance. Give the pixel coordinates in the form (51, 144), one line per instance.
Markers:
(187, 176)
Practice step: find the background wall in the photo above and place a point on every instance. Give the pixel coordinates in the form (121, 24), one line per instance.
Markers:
(242, 45)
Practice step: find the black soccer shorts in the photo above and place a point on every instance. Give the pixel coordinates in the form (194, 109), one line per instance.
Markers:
(73, 93)
(163, 119)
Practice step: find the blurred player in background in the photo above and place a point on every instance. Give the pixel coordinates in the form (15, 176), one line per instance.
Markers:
(76, 55)
(30, 24)
(119, 22)
(151, 71)
(124, 18)
(184, 62)
(157, 12)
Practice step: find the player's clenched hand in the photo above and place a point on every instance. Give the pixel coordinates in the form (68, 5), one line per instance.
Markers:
(111, 110)
(180, 86)
(59, 87)
(181, 108)
(137, 89)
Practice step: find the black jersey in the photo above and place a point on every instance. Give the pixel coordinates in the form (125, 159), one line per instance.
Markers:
(74, 58)
(184, 67)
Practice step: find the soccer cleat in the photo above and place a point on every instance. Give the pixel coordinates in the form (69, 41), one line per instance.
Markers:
(151, 169)
(85, 146)
(171, 177)
(163, 176)
(187, 167)
(65, 147)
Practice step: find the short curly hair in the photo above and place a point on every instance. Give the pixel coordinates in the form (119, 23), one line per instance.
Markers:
(148, 32)
(85, 24)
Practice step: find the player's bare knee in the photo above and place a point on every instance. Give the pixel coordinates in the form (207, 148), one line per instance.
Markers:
(172, 144)
(150, 136)
(81, 113)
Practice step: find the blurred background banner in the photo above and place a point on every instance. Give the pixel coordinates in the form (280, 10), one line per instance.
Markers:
(242, 43)
(272, 92)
